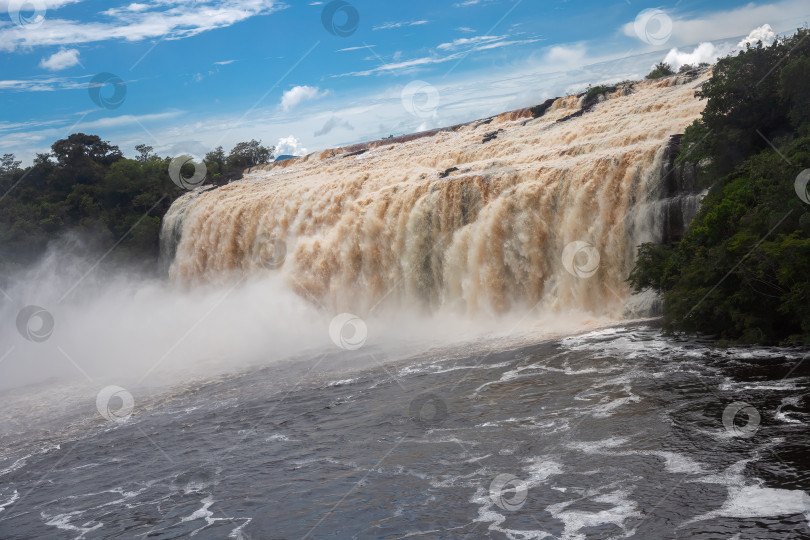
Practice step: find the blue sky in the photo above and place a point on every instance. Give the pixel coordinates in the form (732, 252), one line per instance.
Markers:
(201, 74)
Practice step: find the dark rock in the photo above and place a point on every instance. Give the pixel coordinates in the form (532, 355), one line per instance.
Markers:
(570, 116)
(680, 193)
(540, 110)
(446, 173)
(490, 136)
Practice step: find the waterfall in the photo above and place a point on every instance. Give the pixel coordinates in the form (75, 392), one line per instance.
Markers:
(547, 212)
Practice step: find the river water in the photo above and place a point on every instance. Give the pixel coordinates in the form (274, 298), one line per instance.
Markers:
(621, 432)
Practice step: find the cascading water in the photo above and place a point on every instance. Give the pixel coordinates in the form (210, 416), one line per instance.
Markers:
(448, 221)
(246, 412)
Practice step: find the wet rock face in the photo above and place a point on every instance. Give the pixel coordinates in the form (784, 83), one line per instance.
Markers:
(680, 194)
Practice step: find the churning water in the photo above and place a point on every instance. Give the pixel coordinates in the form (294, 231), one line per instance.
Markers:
(614, 433)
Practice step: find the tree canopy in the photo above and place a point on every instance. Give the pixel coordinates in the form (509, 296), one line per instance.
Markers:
(740, 272)
(85, 184)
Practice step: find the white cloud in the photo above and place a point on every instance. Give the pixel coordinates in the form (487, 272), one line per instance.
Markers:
(175, 19)
(356, 48)
(63, 59)
(764, 33)
(705, 52)
(410, 65)
(43, 84)
(290, 146)
(467, 3)
(298, 94)
(688, 30)
(390, 25)
(125, 120)
(463, 42)
(565, 55)
(48, 4)
(224, 62)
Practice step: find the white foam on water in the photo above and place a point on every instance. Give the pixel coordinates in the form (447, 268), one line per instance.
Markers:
(678, 463)
(624, 508)
(16, 465)
(21, 462)
(607, 409)
(597, 447)
(463, 480)
(783, 416)
(540, 469)
(10, 501)
(789, 384)
(488, 514)
(759, 502)
(201, 513)
(237, 533)
(342, 382)
(63, 522)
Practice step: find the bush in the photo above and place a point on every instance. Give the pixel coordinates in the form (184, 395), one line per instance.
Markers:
(661, 69)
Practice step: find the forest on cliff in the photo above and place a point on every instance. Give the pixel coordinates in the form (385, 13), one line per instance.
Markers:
(742, 271)
(86, 185)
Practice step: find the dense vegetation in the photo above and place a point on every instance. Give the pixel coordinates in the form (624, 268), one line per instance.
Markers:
(660, 70)
(742, 271)
(85, 184)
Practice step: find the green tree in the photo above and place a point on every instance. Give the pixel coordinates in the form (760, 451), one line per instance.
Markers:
(740, 271)
(249, 154)
(794, 89)
(661, 69)
(215, 161)
(145, 153)
(8, 165)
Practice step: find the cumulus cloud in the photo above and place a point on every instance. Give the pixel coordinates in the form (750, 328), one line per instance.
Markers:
(332, 124)
(764, 33)
(688, 29)
(705, 52)
(290, 146)
(298, 94)
(63, 59)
